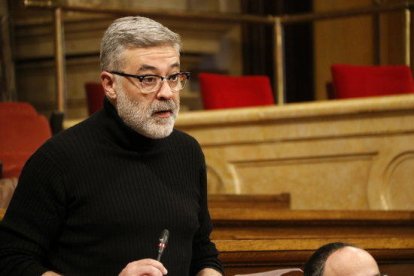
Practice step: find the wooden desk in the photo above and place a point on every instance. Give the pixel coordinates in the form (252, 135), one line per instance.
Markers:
(265, 239)
(261, 240)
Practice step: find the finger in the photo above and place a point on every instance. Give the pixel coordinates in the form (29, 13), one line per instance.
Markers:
(140, 271)
(144, 267)
(154, 263)
(147, 270)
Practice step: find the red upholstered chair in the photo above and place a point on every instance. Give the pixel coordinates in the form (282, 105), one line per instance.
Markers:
(223, 91)
(23, 130)
(351, 81)
(94, 96)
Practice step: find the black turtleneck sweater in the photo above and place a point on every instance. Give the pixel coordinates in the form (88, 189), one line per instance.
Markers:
(98, 195)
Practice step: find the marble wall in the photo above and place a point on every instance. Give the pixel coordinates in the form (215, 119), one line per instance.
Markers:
(345, 154)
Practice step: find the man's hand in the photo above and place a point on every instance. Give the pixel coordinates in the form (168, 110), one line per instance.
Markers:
(148, 267)
(209, 272)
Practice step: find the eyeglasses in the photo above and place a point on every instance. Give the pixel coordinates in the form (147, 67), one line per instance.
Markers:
(152, 83)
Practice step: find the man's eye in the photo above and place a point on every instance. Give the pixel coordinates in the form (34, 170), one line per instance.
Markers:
(149, 80)
(173, 77)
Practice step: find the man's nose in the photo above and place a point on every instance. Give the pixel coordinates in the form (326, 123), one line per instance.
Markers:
(165, 91)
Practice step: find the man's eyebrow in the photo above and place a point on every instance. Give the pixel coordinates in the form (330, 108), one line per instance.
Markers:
(146, 67)
(150, 67)
(174, 65)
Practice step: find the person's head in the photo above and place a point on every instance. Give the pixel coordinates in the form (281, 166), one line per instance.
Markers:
(140, 62)
(341, 259)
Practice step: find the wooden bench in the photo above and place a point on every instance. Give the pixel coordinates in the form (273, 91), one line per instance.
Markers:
(394, 255)
(261, 240)
(235, 201)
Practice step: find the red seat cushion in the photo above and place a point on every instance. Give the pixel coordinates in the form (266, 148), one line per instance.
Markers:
(222, 91)
(352, 81)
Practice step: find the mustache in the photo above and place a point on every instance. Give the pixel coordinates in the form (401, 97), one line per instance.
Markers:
(165, 105)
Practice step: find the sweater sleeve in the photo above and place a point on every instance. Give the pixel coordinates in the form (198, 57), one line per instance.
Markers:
(205, 254)
(32, 219)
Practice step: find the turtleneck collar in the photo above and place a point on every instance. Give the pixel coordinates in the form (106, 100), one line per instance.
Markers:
(125, 136)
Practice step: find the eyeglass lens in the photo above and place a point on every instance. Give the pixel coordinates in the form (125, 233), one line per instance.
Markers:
(152, 83)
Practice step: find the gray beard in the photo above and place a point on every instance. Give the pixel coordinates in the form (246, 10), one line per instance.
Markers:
(139, 117)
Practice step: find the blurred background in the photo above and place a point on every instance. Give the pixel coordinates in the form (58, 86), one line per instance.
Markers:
(224, 45)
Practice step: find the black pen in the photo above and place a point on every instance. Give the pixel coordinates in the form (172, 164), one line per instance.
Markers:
(163, 243)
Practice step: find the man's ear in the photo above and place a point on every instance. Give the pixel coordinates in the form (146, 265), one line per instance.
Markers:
(108, 85)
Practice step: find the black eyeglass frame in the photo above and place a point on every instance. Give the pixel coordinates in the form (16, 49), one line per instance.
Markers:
(142, 77)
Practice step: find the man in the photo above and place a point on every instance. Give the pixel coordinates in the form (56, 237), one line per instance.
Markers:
(94, 199)
(341, 259)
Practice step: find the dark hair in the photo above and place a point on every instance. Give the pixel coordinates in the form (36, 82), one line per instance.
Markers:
(315, 265)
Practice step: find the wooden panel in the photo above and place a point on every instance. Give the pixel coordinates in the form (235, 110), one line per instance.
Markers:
(261, 240)
(337, 42)
(229, 201)
(249, 256)
(335, 155)
(245, 224)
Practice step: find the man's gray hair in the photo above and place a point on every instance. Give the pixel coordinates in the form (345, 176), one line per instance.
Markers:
(133, 32)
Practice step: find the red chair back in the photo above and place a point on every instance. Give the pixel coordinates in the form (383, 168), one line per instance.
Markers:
(351, 81)
(23, 130)
(223, 91)
(94, 96)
